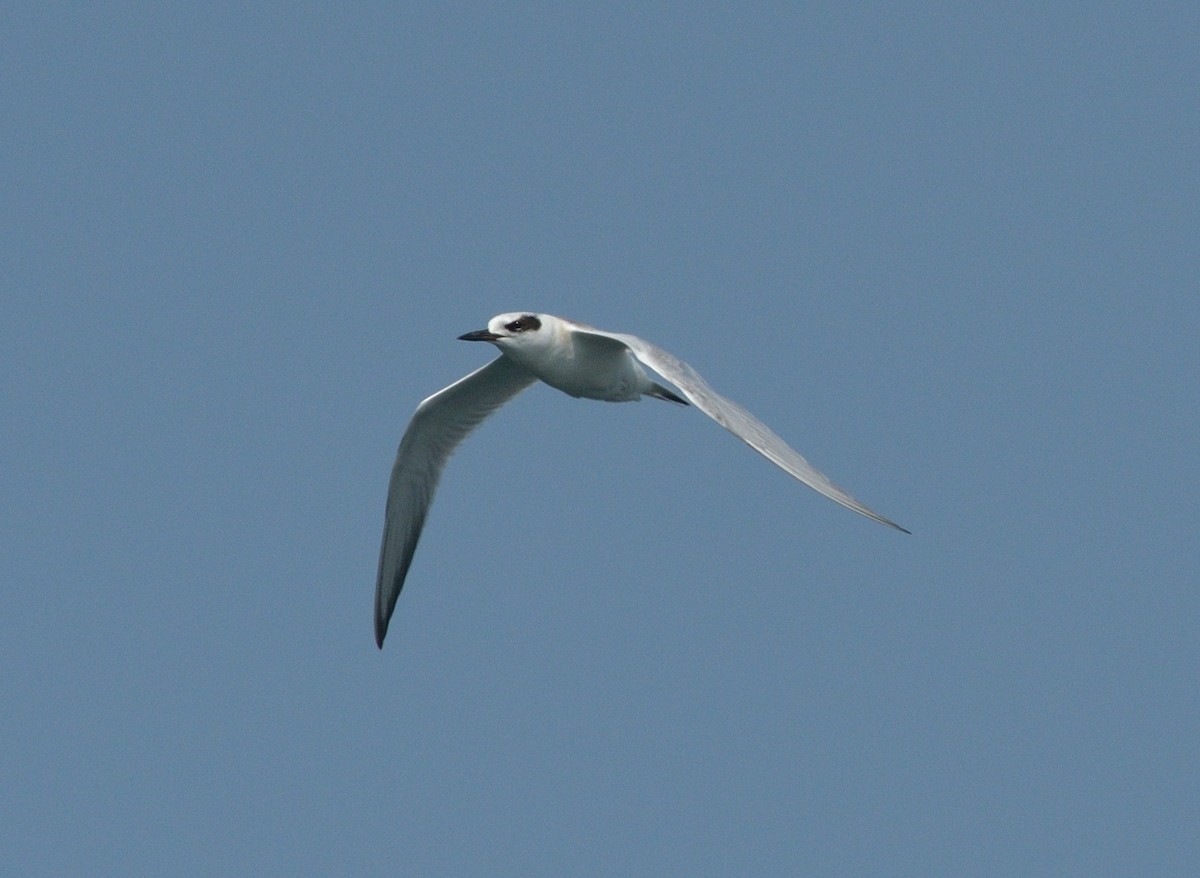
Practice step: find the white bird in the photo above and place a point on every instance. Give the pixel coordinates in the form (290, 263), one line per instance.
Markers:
(581, 362)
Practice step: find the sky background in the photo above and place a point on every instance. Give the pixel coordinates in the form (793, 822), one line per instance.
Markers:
(948, 252)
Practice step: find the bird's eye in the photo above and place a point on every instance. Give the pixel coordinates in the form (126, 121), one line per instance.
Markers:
(523, 324)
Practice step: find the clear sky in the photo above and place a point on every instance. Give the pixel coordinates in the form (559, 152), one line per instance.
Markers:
(949, 251)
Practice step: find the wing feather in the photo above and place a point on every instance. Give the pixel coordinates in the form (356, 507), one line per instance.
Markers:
(739, 422)
(437, 427)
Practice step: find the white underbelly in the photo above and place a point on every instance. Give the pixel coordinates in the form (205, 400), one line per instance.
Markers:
(612, 378)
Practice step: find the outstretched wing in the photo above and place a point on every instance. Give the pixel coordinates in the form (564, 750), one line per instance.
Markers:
(738, 421)
(440, 423)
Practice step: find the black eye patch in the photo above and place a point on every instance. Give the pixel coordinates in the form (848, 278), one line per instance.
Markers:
(524, 324)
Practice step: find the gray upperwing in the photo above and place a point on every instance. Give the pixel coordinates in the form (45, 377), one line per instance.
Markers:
(437, 427)
(739, 422)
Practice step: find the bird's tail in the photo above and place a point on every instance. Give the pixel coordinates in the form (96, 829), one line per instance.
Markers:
(659, 392)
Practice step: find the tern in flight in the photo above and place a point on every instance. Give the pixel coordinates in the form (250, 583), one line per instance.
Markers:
(581, 362)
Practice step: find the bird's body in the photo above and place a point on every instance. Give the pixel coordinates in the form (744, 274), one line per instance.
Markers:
(581, 362)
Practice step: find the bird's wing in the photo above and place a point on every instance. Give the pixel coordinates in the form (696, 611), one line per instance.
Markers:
(737, 420)
(440, 423)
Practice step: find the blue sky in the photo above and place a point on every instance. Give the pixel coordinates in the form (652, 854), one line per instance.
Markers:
(950, 253)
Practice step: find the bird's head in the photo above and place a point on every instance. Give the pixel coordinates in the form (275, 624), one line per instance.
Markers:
(517, 331)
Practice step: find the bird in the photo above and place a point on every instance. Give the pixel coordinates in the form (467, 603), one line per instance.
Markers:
(582, 362)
